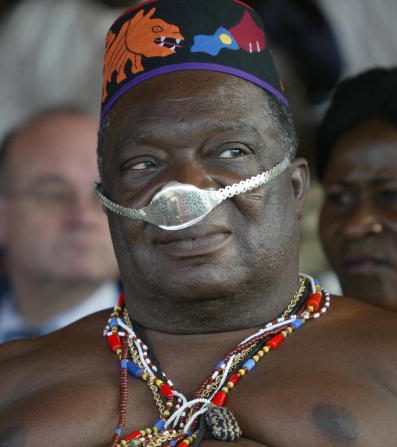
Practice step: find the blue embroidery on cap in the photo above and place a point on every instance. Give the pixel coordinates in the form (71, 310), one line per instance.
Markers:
(214, 44)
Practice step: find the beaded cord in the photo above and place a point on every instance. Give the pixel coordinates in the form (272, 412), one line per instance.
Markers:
(183, 403)
(179, 421)
(123, 392)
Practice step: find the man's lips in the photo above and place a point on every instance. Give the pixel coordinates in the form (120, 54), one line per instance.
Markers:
(193, 241)
(364, 264)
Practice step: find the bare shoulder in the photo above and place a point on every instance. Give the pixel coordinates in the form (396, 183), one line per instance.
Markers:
(367, 335)
(26, 365)
(363, 319)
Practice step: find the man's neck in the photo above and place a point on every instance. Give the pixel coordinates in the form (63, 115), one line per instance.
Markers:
(197, 353)
(38, 300)
(247, 309)
(199, 347)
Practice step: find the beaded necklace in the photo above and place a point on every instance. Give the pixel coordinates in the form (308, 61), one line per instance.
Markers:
(183, 422)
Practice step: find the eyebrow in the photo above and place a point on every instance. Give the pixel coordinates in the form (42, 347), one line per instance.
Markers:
(388, 179)
(375, 181)
(145, 135)
(50, 179)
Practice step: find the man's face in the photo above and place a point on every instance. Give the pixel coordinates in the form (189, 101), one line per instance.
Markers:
(52, 226)
(358, 224)
(209, 130)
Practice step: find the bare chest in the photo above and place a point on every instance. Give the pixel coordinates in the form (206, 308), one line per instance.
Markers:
(279, 404)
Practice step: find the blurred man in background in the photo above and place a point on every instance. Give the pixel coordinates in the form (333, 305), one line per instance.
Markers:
(58, 254)
(357, 164)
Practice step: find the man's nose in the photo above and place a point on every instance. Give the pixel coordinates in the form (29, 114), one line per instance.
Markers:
(193, 173)
(363, 220)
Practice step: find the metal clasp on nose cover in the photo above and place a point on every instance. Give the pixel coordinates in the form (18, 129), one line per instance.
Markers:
(179, 205)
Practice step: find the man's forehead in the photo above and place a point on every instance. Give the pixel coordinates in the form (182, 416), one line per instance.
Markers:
(184, 93)
(54, 144)
(150, 113)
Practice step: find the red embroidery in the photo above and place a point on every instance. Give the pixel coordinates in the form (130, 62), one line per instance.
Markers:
(249, 35)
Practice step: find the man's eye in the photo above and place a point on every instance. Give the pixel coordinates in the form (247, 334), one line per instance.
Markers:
(233, 152)
(143, 165)
(387, 196)
(340, 198)
(50, 197)
(139, 166)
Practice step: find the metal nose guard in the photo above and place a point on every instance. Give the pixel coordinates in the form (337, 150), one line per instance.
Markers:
(179, 205)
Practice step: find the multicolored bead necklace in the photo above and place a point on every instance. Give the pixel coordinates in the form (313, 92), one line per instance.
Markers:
(182, 421)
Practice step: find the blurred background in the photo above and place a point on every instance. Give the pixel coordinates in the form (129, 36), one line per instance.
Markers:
(51, 53)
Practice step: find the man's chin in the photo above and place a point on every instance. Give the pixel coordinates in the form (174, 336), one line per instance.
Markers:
(368, 284)
(201, 282)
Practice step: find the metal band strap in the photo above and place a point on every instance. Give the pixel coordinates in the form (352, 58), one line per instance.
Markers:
(257, 180)
(198, 199)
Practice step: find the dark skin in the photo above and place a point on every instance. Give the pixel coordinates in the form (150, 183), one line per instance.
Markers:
(332, 383)
(214, 271)
(358, 224)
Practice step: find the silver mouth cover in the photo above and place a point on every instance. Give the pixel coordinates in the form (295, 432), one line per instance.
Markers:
(180, 205)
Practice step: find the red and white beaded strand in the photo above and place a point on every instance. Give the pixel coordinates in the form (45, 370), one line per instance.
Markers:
(185, 427)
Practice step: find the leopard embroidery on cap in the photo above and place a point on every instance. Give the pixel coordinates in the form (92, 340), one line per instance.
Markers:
(142, 36)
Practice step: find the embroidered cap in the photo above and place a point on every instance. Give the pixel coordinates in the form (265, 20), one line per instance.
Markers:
(163, 36)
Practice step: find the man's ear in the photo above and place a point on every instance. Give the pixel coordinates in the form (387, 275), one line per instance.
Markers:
(300, 177)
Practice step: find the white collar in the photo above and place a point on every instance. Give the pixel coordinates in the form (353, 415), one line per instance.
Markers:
(11, 322)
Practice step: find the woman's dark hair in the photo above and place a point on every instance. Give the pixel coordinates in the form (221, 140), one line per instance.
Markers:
(302, 30)
(365, 97)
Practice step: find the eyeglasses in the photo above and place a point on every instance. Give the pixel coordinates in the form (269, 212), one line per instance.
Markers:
(55, 199)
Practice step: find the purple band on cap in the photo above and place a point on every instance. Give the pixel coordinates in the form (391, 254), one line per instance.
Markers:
(192, 66)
